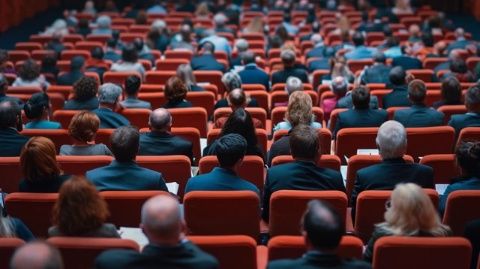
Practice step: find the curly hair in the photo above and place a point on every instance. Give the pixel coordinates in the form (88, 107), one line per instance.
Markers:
(299, 109)
(29, 70)
(79, 209)
(84, 126)
(85, 89)
(175, 89)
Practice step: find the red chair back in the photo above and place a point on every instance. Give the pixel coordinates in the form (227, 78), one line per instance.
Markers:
(195, 117)
(444, 166)
(441, 140)
(324, 135)
(461, 208)
(325, 161)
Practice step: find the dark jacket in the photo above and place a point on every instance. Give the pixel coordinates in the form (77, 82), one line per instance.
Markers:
(377, 73)
(419, 116)
(110, 119)
(43, 184)
(407, 62)
(471, 183)
(458, 122)
(398, 97)
(69, 78)
(347, 102)
(206, 62)
(278, 148)
(320, 64)
(254, 75)
(360, 118)
(177, 104)
(220, 179)
(318, 260)
(157, 143)
(73, 104)
(282, 75)
(11, 142)
(224, 103)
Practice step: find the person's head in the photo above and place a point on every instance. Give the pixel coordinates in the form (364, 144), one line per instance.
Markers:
(414, 30)
(84, 126)
(111, 44)
(158, 26)
(77, 63)
(472, 99)
(29, 70)
(38, 160)
(451, 90)
(322, 226)
(361, 97)
(125, 143)
(97, 53)
(132, 85)
(162, 221)
(397, 76)
(85, 89)
(316, 39)
(417, 91)
(83, 23)
(10, 115)
(160, 120)
(240, 122)
(411, 211)
(175, 89)
(130, 54)
(220, 20)
(230, 150)
(299, 110)
(293, 84)
(358, 39)
(186, 33)
(207, 47)
(237, 98)
(288, 58)
(304, 143)
(3, 57)
(468, 157)
(49, 62)
(248, 57)
(37, 107)
(185, 73)
(455, 55)
(339, 86)
(108, 95)
(427, 40)
(141, 18)
(241, 45)
(36, 255)
(104, 22)
(138, 44)
(79, 209)
(459, 33)
(3, 83)
(379, 57)
(458, 66)
(231, 81)
(391, 140)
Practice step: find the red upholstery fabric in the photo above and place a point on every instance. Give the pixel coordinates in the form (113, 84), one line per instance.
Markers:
(444, 166)
(13, 13)
(462, 207)
(325, 161)
(7, 248)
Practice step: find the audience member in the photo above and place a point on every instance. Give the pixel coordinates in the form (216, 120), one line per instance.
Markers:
(80, 211)
(11, 141)
(232, 81)
(339, 88)
(339, 68)
(158, 37)
(3, 91)
(292, 85)
(183, 40)
(452, 56)
(220, 43)
(5, 66)
(55, 44)
(143, 51)
(13, 227)
(347, 101)
(378, 72)
(83, 27)
(36, 255)
(406, 61)
(252, 74)
(29, 75)
(96, 63)
(472, 117)
(460, 42)
(108, 98)
(132, 87)
(299, 111)
(77, 66)
(205, 58)
(129, 61)
(110, 51)
(241, 47)
(320, 49)
(185, 74)
(163, 225)
(104, 24)
(40, 167)
(220, 22)
(399, 95)
(459, 69)
(451, 93)
(360, 51)
(175, 93)
(289, 69)
(84, 95)
(48, 67)
(37, 110)
(123, 173)
(83, 129)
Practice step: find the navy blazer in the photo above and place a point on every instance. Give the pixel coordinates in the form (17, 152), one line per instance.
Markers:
(278, 148)
(11, 142)
(164, 143)
(126, 176)
(282, 75)
(398, 97)
(184, 255)
(460, 121)
(177, 104)
(377, 73)
(299, 175)
(320, 52)
(110, 119)
(360, 118)
(220, 179)
(206, 62)
(90, 104)
(407, 62)
(320, 64)
(472, 183)
(69, 78)
(254, 75)
(347, 102)
(419, 116)
(318, 260)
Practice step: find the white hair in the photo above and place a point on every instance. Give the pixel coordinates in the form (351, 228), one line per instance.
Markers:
(220, 19)
(158, 25)
(241, 45)
(293, 84)
(104, 22)
(391, 140)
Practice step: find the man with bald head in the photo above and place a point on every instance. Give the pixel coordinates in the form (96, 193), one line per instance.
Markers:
(36, 255)
(160, 140)
(237, 99)
(322, 230)
(163, 225)
(11, 142)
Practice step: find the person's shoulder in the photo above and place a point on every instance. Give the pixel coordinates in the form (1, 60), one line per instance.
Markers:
(334, 174)
(356, 264)
(423, 168)
(116, 258)
(205, 259)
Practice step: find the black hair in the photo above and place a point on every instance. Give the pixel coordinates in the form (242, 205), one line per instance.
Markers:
(358, 39)
(36, 105)
(129, 54)
(468, 158)
(361, 98)
(97, 53)
(132, 85)
(472, 98)
(207, 46)
(417, 91)
(323, 225)
(112, 43)
(427, 39)
(230, 148)
(49, 61)
(397, 76)
(379, 57)
(451, 90)
(125, 143)
(30, 70)
(240, 122)
(304, 142)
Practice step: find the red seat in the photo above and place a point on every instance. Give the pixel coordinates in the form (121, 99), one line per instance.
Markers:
(7, 248)
(58, 136)
(38, 55)
(449, 110)
(64, 117)
(324, 135)
(170, 64)
(129, 37)
(469, 134)
(18, 55)
(179, 54)
(261, 134)
(138, 117)
(262, 98)
(24, 90)
(118, 77)
(158, 77)
(282, 97)
(431, 63)
(333, 118)
(441, 140)
(205, 99)
(356, 65)
(349, 140)
(444, 166)
(461, 208)
(12, 174)
(195, 117)
(69, 54)
(423, 74)
(88, 45)
(325, 161)
(28, 46)
(79, 165)
(212, 77)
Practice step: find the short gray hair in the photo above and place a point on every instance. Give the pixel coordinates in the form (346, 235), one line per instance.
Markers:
(220, 19)
(339, 86)
(241, 45)
(104, 22)
(391, 140)
(232, 81)
(158, 25)
(109, 93)
(293, 84)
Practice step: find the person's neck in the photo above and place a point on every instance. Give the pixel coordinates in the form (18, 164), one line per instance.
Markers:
(132, 96)
(166, 242)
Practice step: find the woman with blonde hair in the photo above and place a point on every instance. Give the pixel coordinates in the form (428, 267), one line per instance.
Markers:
(410, 212)
(299, 111)
(256, 25)
(202, 11)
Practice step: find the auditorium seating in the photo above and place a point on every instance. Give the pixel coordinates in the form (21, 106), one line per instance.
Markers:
(325, 161)
(444, 166)
(460, 209)
(441, 140)
(195, 117)
(255, 112)
(349, 140)
(7, 247)
(469, 134)
(261, 134)
(324, 135)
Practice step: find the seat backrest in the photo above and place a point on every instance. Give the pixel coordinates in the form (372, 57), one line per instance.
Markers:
(334, 116)
(444, 166)
(195, 117)
(450, 110)
(70, 54)
(79, 165)
(205, 99)
(261, 134)
(349, 140)
(34, 209)
(441, 140)
(170, 64)
(231, 251)
(325, 161)
(210, 213)
(431, 63)
(58, 136)
(461, 208)
(138, 117)
(371, 209)
(287, 207)
(262, 98)
(324, 135)
(422, 252)
(192, 135)
(255, 112)
(118, 77)
(424, 74)
(293, 247)
(64, 117)
(469, 134)
(212, 77)
(81, 252)
(356, 65)
(158, 77)
(7, 248)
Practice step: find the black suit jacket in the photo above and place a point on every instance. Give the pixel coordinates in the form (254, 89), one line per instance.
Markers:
(11, 142)
(318, 260)
(299, 175)
(254, 75)
(69, 78)
(407, 62)
(398, 97)
(377, 73)
(419, 116)
(360, 118)
(110, 119)
(282, 75)
(156, 143)
(185, 255)
(278, 148)
(206, 62)
(458, 122)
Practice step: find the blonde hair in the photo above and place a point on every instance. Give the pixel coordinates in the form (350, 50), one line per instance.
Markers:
(299, 109)
(255, 25)
(202, 10)
(412, 212)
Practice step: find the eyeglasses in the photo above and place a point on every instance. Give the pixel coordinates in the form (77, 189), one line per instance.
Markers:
(388, 204)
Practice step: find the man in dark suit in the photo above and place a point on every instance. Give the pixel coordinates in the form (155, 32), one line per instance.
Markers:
(319, 50)
(252, 74)
(160, 141)
(472, 117)
(163, 225)
(399, 95)
(230, 150)
(452, 56)
(205, 59)
(123, 173)
(406, 61)
(392, 145)
(361, 115)
(11, 142)
(460, 41)
(303, 173)
(322, 229)
(108, 97)
(289, 69)
(378, 72)
(418, 115)
(76, 72)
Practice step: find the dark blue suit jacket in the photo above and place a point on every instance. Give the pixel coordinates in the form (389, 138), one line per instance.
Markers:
(112, 56)
(460, 121)
(458, 45)
(220, 179)
(156, 143)
(347, 102)
(206, 62)
(376, 74)
(11, 142)
(320, 64)
(69, 78)
(299, 175)
(126, 176)
(110, 119)
(458, 184)
(407, 62)
(398, 97)
(320, 52)
(282, 75)
(419, 116)
(73, 104)
(318, 260)
(360, 118)
(254, 75)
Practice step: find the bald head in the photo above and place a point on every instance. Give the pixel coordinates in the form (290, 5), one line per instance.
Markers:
(10, 116)
(237, 99)
(37, 255)
(160, 120)
(161, 220)
(323, 226)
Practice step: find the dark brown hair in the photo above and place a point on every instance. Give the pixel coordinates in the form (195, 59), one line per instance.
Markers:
(175, 89)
